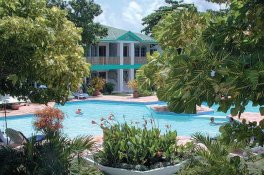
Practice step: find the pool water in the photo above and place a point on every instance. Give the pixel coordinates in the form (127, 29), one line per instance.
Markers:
(75, 125)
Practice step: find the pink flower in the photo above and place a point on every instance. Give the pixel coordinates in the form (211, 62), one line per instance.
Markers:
(110, 117)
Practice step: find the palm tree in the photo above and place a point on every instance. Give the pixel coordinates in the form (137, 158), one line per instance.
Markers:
(57, 155)
(212, 157)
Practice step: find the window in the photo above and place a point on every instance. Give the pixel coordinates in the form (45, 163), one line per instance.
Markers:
(102, 51)
(143, 51)
(93, 51)
(137, 51)
(125, 51)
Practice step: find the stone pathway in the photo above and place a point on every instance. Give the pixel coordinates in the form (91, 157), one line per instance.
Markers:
(30, 108)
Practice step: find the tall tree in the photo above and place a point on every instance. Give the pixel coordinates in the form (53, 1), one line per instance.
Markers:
(152, 20)
(211, 57)
(82, 14)
(38, 44)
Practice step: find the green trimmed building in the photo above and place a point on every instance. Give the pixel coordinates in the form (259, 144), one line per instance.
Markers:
(118, 55)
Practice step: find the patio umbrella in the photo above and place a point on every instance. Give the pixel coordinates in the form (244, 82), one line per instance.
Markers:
(4, 100)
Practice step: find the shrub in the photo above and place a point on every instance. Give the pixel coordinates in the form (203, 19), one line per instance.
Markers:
(130, 147)
(109, 88)
(98, 83)
(249, 134)
(49, 119)
(133, 84)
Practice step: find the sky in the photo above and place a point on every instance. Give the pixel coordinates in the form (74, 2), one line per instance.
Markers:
(128, 14)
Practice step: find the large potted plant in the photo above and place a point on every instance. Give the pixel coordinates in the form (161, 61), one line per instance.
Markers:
(133, 84)
(97, 84)
(130, 149)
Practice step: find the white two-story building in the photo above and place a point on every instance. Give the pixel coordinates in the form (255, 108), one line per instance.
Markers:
(118, 55)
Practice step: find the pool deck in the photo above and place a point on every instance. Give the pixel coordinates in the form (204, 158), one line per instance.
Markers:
(250, 117)
(31, 108)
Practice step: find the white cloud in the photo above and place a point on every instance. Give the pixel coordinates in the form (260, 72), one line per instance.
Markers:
(128, 14)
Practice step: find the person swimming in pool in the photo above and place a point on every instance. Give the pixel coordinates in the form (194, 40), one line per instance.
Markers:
(79, 111)
(212, 122)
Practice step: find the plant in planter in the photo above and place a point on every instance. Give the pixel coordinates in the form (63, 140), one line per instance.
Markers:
(98, 84)
(138, 149)
(15, 106)
(133, 84)
(109, 88)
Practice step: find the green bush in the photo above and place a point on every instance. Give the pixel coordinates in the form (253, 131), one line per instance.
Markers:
(248, 134)
(131, 147)
(109, 88)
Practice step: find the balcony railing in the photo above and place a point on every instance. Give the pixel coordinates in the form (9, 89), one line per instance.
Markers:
(115, 60)
(103, 60)
(127, 60)
(140, 60)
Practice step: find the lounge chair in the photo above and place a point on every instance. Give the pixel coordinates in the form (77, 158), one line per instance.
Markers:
(80, 95)
(18, 138)
(2, 138)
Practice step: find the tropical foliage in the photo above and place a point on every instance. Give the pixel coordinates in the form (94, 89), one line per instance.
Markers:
(153, 19)
(131, 147)
(97, 83)
(213, 158)
(82, 14)
(209, 57)
(39, 45)
(250, 134)
(49, 119)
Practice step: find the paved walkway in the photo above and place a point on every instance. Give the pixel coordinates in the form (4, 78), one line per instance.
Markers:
(250, 116)
(123, 98)
(31, 108)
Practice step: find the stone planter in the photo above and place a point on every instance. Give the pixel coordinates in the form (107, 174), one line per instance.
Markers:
(135, 94)
(15, 106)
(169, 170)
(96, 93)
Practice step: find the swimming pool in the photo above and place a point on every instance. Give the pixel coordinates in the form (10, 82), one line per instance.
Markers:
(75, 125)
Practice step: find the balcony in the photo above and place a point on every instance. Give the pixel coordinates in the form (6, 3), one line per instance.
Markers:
(103, 60)
(140, 60)
(115, 60)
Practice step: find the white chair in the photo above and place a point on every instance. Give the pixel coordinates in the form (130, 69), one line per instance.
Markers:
(2, 137)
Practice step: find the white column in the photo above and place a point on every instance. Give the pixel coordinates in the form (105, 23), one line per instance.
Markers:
(132, 57)
(132, 53)
(121, 52)
(107, 53)
(120, 76)
(121, 71)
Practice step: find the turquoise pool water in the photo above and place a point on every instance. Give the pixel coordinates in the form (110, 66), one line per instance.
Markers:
(75, 125)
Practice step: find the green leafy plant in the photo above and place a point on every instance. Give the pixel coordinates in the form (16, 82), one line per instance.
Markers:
(212, 157)
(249, 134)
(98, 84)
(133, 84)
(109, 87)
(131, 147)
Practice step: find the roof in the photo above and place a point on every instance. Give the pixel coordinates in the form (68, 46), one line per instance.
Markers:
(115, 34)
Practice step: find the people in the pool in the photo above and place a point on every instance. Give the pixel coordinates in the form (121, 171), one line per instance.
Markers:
(231, 120)
(212, 122)
(79, 111)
